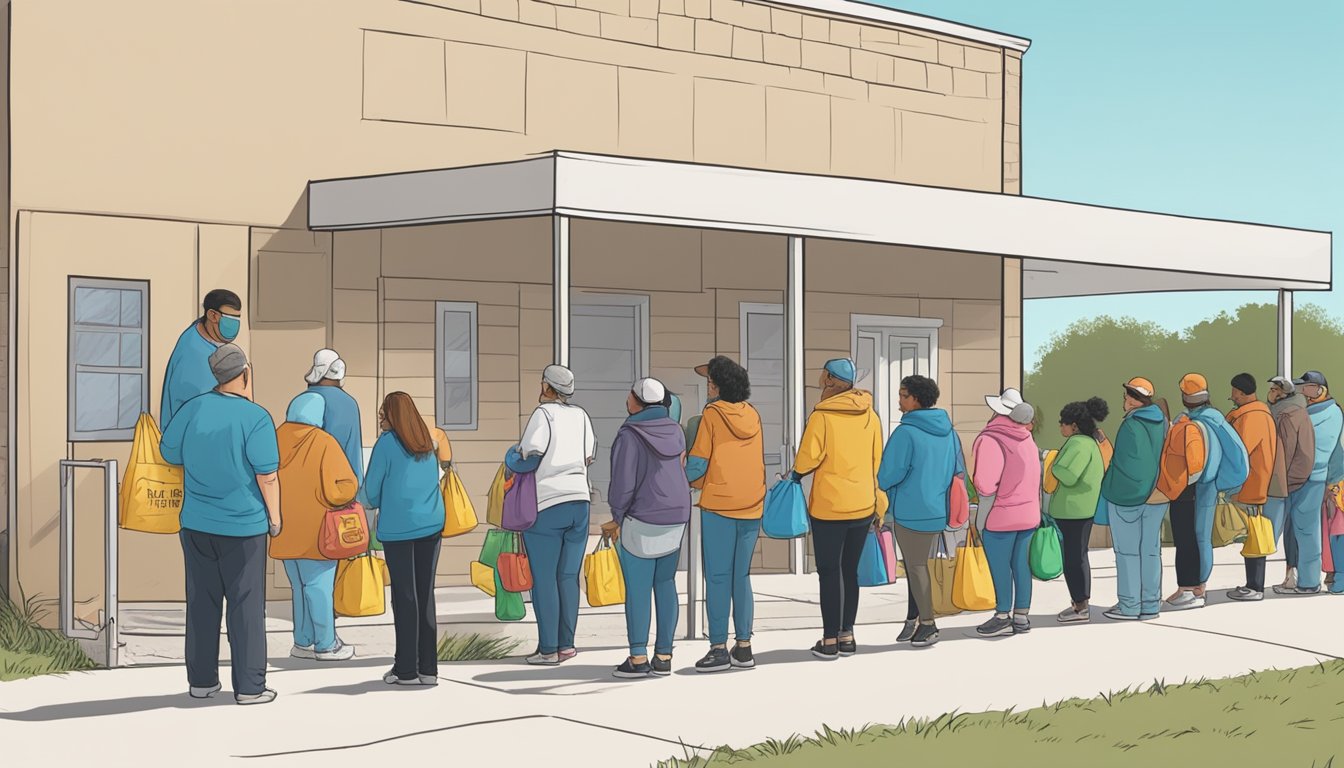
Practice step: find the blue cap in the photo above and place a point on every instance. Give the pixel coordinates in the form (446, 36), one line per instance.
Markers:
(842, 369)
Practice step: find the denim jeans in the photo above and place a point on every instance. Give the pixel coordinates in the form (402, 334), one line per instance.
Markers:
(649, 582)
(312, 584)
(1009, 554)
(1206, 502)
(1137, 536)
(1304, 515)
(1337, 553)
(555, 548)
(728, 545)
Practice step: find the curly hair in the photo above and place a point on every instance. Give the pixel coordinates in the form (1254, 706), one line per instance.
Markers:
(1085, 415)
(731, 379)
(923, 389)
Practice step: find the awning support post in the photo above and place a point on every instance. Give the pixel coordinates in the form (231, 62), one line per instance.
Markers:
(560, 288)
(1285, 333)
(795, 394)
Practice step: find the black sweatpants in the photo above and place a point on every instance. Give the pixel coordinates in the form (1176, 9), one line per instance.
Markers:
(1186, 538)
(219, 569)
(411, 565)
(837, 545)
(1077, 563)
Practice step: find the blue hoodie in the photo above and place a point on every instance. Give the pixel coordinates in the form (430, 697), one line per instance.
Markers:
(1328, 422)
(647, 478)
(918, 464)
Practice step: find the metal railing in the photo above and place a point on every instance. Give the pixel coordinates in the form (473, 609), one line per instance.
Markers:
(99, 640)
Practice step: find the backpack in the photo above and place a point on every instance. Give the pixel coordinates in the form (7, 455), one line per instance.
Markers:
(1226, 451)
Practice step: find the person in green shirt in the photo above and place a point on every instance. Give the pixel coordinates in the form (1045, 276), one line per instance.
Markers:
(1078, 468)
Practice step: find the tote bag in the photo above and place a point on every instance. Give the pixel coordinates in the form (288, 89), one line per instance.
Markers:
(483, 567)
(344, 533)
(886, 541)
(515, 570)
(1045, 554)
(494, 509)
(1259, 535)
(602, 573)
(459, 515)
(151, 488)
(972, 584)
(942, 573)
(1228, 522)
(785, 515)
(359, 588)
(520, 503)
(872, 571)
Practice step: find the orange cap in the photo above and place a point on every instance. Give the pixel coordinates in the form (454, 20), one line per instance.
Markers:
(1194, 384)
(1141, 385)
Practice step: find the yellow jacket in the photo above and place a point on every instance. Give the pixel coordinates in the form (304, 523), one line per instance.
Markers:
(315, 477)
(842, 445)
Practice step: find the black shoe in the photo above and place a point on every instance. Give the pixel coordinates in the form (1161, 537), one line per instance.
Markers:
(742, 657)
(847, 646)
(717, 660)
(908, 631)
(631, 671)
(826, 652)
(661, 667)
(925, 636)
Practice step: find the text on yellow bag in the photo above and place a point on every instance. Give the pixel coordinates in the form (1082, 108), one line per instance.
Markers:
(602, 572)
(972, 584)
(151, 489)
(459, 515)
(359, 587)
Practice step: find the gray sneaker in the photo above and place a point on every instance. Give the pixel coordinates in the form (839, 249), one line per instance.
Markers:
(341, 652)
(1021, 625)
(925, 636)
(997, 626)
(717, 660)
(302, 652)
(1071, 615)
(1185, 601)
(205, 693)
(1115, 614)
(1244, 595)
(544, 659)
(907, 632)
(1281, 590)
(265, 697)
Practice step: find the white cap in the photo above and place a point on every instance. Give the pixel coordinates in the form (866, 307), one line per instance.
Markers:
(649, 391)
(326, 365)
(560, 378)
(1005, 403)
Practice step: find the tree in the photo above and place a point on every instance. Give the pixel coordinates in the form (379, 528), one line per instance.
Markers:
(1095, 357)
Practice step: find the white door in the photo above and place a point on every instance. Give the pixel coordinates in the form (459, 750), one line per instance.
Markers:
(763, 357)
(884, 356)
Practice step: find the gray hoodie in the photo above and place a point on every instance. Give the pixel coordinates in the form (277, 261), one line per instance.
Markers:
(648, 481)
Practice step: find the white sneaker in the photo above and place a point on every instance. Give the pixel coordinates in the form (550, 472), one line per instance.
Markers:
(302, 652)
(1185, 601)
(391, 678)
(429, 680)
(265, 697)
(341, 652)
(544, 659)
(1290, 579)
(205, 693)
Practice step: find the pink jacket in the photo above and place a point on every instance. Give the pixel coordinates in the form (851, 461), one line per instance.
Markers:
(1332, 524)
(1008, 467)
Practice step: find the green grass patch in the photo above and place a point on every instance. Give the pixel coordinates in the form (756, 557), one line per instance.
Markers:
(1285, 718)
(476, 647)
(28, 649)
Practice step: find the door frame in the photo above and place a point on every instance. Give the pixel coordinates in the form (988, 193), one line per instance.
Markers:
(917, 327)
(641, 304)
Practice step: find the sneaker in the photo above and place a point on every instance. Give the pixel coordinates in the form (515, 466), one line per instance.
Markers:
(1289, 581)
(716, 660)
(1021, 625)
(1185, 601)
(661, 667)
(341, 652)
(567, 653)
(1115, 614)
(1242, 594)
(540, 659)
(302, 652)
(429, 681)
(1072, 615)
(742, 657)
(997, 626)
(925, 636)
(390, 677)
(205, 693)
(826, 652)
(907, 631)
(265, 697)
(1281, 590)
(847, 646)
(1149, 616)
(632, 671)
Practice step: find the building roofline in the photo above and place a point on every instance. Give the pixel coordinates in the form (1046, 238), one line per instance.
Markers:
(875, 12)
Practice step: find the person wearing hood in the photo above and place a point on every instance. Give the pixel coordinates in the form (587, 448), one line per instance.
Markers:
(188, 372)
(727, 464)
(1293, 464)
(1007, 478)
(650, 507)
(841, 447)
(1306, 504)
(1190, 461)
(1254, 423)
(1079, 468)
(1133, 507)
(918, 465)
(314, 477)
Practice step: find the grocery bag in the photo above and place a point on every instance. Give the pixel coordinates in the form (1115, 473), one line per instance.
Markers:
(1259, 535)
(520, 503)
(887, 542)
(494, 510)
(1049, 483)
(515, 571)
(1228, 522)
(509, 606)
(958, 503)
(359, 588)
(382, 568)
(344, 532)
(872, 571)
(151, 489)
(1045, 554)
(483, 577)
(942, 573)
(602, 573)
(972, 584)
(483, 567)
(785, 515)
(459, 515)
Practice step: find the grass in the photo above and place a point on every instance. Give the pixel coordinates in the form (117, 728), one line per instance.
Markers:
(476, 647)
(1286, 718)
(27, 648)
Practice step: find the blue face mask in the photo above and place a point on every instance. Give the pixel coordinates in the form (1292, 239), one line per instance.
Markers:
(229, 327)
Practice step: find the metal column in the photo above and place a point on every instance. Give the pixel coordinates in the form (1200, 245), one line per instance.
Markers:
(794, 392)
(100, 641)
(1285, 359)
(560, 287)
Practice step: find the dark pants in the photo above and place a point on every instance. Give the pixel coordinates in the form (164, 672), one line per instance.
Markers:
(837, 545)
(411, 565)
(1185, 534)
(1077, 564)
(221, 568)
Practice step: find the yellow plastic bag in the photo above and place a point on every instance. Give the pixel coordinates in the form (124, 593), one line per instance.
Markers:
(942, 570)
(483, 577)
(382, 568)
(494, 510)
(359, 587)
(459, 514)
(972, 584)
(151, 489)
(1049, 482)
(1259, 535)
(1228, 522)
(602, 572)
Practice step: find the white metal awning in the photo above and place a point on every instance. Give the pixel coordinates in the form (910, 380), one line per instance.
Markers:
(1070, 249)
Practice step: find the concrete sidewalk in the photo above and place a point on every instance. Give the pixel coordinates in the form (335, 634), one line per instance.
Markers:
(577, 714)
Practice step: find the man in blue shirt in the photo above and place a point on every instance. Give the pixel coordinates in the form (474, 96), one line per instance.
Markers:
(341, 419)
(188, 373)
(227, 448)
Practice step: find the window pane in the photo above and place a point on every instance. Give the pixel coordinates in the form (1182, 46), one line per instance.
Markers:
(97, 306)
(765, 336)
(130, 309)
(455, 408)
(130, 350)
(128, 410)
(455, 345)
(93, 348)
(96, 401)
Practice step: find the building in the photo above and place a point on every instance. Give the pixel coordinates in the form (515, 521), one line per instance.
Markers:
(455, 193)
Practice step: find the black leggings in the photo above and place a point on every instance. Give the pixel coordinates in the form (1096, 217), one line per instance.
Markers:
(1077, 565)
(837, 545)
(1186, 538)
(412, 565)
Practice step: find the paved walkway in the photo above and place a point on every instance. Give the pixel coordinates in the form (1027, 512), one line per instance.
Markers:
(577, 714)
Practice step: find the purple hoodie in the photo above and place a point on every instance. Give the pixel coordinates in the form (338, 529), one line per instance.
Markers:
(648, 481)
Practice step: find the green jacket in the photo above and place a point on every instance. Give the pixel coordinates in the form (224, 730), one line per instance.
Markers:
(1079, 470)
(1138, 452)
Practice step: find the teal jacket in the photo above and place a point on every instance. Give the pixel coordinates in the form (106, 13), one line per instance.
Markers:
(405, 491)
(922, 456)
(1138, 453)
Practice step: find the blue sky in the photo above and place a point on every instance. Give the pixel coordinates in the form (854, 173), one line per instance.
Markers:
(1228, 109)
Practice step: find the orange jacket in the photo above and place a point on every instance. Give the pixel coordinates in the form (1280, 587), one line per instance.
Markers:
(315, 477)
(1183, 457)
(729, 440)
(1255, 425)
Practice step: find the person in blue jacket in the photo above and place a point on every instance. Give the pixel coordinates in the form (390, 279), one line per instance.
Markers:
(341, 417)
(188, 373)
(1305, 504)
(921, 459)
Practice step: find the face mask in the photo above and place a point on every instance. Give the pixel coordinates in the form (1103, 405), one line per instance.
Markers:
(229, 327)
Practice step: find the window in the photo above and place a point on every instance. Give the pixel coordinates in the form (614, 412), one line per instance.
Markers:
(763, 357)
(108, 385)
(455, 360)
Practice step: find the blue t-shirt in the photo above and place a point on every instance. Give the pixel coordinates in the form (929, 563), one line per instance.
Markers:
(404, 490)
(188, 374)
(342, 422)
(222, 442)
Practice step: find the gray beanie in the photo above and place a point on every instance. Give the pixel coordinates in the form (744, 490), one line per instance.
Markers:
(1023, 413)
(560, 378)
(227, 363)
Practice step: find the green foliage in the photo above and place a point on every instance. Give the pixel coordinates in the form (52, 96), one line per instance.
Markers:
(27, 648)
(1094, 357)
(476, 647)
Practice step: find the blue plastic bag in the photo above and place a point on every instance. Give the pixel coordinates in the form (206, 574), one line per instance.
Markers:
(785, 514)
(872, 569)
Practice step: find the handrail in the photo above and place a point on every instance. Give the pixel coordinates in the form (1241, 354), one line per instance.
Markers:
(104, 635)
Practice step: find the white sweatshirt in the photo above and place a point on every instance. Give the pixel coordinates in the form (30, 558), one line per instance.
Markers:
(563, 436)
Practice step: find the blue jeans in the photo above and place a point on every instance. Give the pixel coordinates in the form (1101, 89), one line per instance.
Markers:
(312, 584)
(1206, 501)
(1137, 536)
(555, 547)
(646, 582)
(1337, 552)
(1009, 555)
(1304, 515)
(728, 546)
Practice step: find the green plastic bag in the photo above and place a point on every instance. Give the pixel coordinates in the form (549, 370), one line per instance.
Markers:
(375, 543)
(496, 543)
(1047, 550)
(509, 606)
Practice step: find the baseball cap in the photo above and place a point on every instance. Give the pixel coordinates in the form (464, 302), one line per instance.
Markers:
(1284, 383)
(1141, 385)
(842, 369)
(1005, 403)
(1312, 377)
(1194, 385)
(649, 391)
(227, 363)
(560, 378)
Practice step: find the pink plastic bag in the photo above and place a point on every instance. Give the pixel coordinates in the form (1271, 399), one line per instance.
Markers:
(886, 543)
(958, 503)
